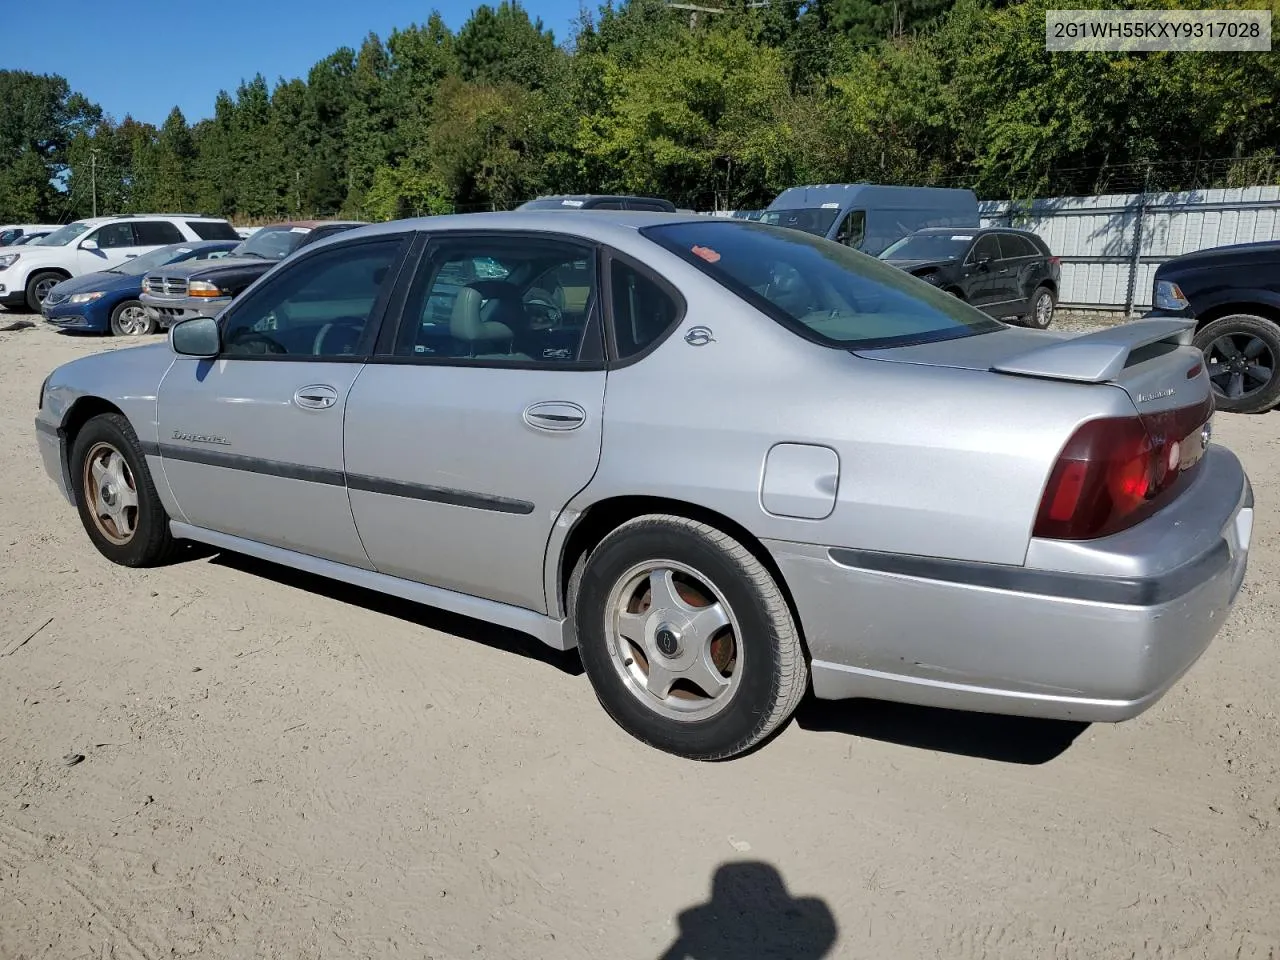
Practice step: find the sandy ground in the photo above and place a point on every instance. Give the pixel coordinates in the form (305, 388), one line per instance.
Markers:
(280, 767)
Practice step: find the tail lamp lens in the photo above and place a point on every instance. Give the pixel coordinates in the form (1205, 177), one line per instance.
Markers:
(1115, 472)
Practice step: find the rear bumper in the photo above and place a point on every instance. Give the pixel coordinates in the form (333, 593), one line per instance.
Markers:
(1023, 641)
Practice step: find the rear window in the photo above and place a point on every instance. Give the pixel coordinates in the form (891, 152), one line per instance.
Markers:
(213, 230)
(823, 291)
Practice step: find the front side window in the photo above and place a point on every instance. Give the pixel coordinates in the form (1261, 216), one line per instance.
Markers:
(156, 233)
(501, 300)
(320, 306)
(115, 235)
(853, 230)
(821, 290)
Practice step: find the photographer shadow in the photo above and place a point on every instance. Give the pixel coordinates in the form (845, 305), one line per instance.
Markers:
(752, 916)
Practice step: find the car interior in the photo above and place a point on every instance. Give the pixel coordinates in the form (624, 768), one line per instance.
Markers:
(521, 303)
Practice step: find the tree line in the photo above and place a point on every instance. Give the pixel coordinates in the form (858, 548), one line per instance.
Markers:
(709, 110)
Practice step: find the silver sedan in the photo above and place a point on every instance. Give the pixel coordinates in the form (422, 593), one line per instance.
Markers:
(727, 462)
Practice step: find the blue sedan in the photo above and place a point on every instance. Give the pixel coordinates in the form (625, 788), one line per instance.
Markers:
(107, 301)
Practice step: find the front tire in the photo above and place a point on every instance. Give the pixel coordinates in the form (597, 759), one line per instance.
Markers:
(130, 319)
(116, 497)
(686, 638)
(1242, 352)
(38, 287)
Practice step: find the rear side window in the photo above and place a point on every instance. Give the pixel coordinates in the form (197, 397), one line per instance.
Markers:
(1012, 245)
(502, 300)
(642, 311)
(156, 233)
(213, 230)
(822, 291)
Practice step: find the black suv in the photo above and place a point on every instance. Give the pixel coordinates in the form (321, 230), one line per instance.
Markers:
(1233, 293)
(1006, 273)
(598, 201)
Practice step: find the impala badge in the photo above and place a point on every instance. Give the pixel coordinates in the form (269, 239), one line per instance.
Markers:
(1158, 395)
(699, 336)
(200, 438)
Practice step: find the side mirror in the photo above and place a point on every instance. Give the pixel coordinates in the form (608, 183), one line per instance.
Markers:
(89, 244)
(196, 337)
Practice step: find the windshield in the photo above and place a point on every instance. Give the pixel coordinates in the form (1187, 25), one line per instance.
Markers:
(156, 258)
(63, 236)
(823, 291)
(271, 243)
(815, 220)
(929, 246)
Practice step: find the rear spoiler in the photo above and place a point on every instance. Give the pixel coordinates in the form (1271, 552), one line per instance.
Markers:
(1099, 357)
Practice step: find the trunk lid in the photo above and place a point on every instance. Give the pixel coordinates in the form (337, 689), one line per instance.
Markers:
(1152, 360)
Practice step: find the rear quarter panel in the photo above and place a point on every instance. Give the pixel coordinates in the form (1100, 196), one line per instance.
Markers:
(932, 460)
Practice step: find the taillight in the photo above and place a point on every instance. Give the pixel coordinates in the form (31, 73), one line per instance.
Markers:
(1117, 471)
(1055, 261)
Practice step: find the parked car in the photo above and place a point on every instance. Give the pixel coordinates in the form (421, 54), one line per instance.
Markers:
(1233, 293)
(585, 201)
(809, 465)
(869, 216)
(107, 302)
(1003, 272)
(11, 233)
(179, 291)
(88, 246)
(28, 237)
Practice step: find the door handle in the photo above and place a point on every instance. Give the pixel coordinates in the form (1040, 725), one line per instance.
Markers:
(316, 396)
(555, 415)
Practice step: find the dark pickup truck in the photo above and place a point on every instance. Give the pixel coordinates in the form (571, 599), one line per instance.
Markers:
(1233, 294)
(202, 288)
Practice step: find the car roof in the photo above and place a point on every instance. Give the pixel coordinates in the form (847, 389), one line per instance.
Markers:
(601, 225)
(113, 218)
(308, 224)
(976, 231)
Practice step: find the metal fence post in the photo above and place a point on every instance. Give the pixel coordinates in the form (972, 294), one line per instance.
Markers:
(1135, 256)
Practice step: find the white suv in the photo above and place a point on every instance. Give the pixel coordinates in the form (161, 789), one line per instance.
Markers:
(29, 272)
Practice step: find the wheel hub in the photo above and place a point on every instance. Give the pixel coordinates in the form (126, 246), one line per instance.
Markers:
(667, 641)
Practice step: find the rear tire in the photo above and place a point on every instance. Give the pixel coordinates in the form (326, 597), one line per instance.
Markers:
(38, 286)
(130, 319)
(667, 608)
(116, 496)
(1042, 306)
(1242, 354)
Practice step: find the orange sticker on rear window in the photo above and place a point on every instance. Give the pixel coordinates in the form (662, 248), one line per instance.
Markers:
(707, 254)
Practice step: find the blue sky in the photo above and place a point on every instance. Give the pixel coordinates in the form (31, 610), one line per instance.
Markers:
(143, 57)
